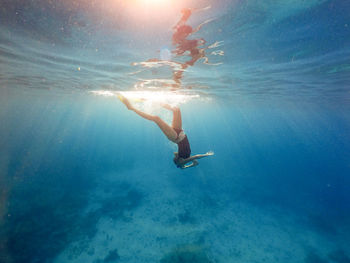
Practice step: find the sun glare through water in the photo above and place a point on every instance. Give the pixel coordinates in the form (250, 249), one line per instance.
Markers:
(156, 97)
(151, 14)
(155, 1)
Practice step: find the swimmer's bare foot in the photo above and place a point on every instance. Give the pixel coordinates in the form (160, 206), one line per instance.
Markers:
(125, 101)
(168, 107)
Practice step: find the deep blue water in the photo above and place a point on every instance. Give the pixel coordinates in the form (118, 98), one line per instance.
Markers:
(82, 179)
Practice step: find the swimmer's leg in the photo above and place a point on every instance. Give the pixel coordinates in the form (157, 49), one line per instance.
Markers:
(177, 120)
(169, 132)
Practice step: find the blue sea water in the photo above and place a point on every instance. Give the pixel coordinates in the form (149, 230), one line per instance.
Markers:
(82, 179)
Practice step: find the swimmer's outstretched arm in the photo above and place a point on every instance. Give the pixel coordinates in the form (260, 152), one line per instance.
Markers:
(199, 156)
(193, 159)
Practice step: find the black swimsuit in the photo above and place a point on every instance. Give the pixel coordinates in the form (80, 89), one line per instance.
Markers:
(184, 146)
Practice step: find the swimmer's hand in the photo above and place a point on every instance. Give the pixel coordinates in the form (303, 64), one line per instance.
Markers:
(209, 153)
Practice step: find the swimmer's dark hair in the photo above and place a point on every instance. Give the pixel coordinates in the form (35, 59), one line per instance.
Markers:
(175, 159)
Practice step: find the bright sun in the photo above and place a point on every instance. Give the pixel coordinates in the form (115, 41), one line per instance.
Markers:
(148, 14)
(154, 2)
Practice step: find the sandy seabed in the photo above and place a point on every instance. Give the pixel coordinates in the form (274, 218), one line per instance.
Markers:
(172, 226)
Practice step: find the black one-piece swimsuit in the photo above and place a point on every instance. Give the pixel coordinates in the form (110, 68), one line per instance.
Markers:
(184, 149)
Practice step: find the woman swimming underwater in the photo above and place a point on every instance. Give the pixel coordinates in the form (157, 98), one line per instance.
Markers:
(174, 133)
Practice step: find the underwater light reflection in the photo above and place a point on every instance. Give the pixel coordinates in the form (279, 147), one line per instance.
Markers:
(169, 97)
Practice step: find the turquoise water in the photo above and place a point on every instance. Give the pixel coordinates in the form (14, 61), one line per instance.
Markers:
(82, 179)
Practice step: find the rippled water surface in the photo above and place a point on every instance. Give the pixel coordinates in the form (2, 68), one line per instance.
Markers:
(270, 48)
